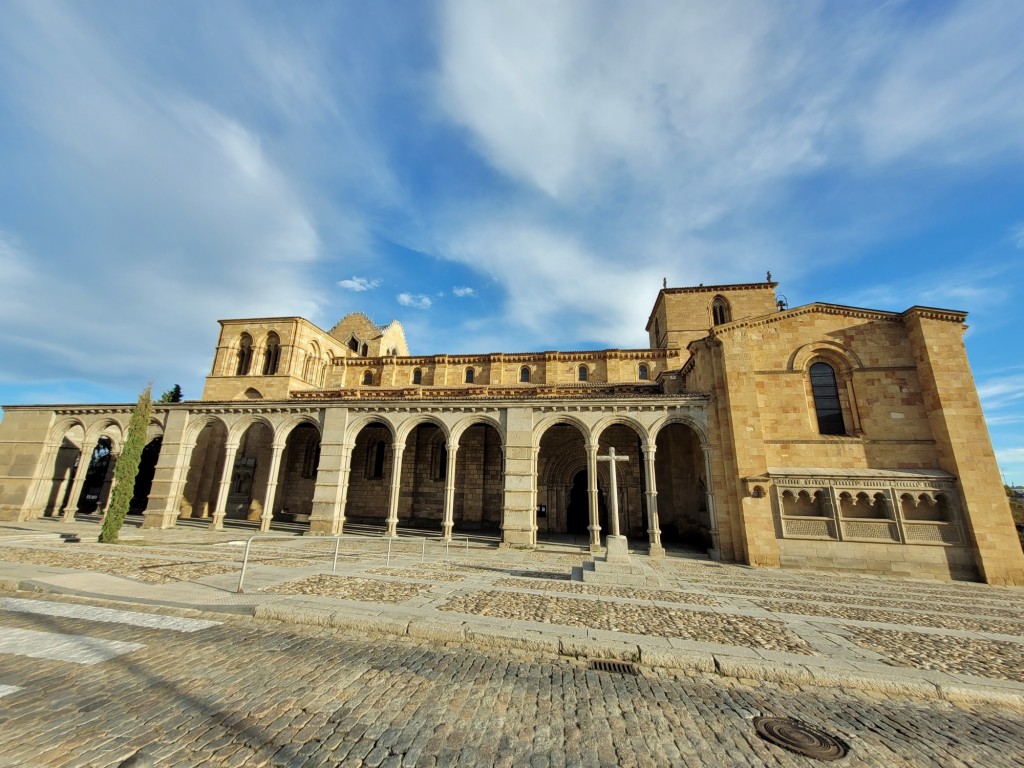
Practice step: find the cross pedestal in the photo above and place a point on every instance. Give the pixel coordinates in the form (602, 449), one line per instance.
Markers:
(617, 546)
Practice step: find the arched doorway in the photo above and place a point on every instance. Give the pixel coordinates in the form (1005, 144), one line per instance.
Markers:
(144, 479)
(98, 473)
(630, 481)
(369, 481)
(249, 475)
(682, 484)
(563, 482)
(293, 499)
(478, 480)
(424, 473)
(202, 483)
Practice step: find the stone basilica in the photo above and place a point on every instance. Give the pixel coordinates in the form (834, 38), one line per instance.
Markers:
(821, 436)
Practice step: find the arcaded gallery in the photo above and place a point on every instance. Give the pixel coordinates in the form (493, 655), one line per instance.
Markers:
(820, 436)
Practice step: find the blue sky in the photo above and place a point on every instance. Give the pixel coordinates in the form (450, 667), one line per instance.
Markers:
(500, 176)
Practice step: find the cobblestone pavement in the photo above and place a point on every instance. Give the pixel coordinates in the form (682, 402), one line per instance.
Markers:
(249, 693)
(940, 634)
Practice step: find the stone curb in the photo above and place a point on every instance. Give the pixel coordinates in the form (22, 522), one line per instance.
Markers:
(572, 646)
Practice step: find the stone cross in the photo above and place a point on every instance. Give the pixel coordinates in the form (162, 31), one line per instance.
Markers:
(613, 513)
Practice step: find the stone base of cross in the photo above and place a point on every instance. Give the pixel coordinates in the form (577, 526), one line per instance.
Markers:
(617, 545)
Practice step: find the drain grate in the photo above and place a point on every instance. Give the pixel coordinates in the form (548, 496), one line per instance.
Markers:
(618, 667)
(800, 738)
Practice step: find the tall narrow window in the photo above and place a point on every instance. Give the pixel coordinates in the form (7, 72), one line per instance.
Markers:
(244, 355)
(367, 378)
(364, 350)
(719, 311)
(353, 344)
(826, 400)
(524, 374)
(417, 376)
(582, 373)
(469, 375)
(378, 459)
(272, 355)
(643, 372)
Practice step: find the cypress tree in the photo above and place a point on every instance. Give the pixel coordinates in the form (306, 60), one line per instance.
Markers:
(127, 468)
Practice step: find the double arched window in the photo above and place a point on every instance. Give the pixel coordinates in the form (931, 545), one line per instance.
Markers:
(244, 355)
(827, 405)
(720, 311)
(272, 354)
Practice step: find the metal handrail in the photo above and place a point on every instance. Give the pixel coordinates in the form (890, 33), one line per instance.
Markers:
(337, 546)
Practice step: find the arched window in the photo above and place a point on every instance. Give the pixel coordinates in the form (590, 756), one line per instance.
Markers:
(524, 374)
(582, 373)
(469, 375)
(367, 378)
(417, 376)
(643, 372)
(378, 459)
(272, 355)
(353, 344)
(364, 350)
(720, 311)
(826, 400)
(244, 355)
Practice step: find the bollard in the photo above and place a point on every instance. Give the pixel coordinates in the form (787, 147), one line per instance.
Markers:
(423, 552)
(389, 550)
(337, 543)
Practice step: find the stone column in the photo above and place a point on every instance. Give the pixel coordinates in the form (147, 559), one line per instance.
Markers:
(277, 449)
(653, 526)
(76, 486)
(109, 484)
(396, 488)
(44, 480)
(592, 499)
(709, 494)
(448, 522)
(330, 495)
(225, 485)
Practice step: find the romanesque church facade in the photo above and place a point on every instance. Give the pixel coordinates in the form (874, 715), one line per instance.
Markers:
(821, 436)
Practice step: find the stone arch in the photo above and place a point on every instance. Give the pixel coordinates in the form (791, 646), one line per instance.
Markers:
(271, 354)
(407, 427)
(66, 443)
(297, 473)
(627, 438)
(838, 355)
(207, 439)
(243, 354)
(250, 471)
(684, 486)
(561, 418)
(567, 496)
(622, 420)
(460, 426)
(370, 469)
(720, 310)
(252, 394)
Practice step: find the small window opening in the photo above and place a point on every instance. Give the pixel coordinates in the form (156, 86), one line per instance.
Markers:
(353, 344)
(826, 400)
(524, 374)
(378, 460)
(583, 373)
(417, 376)
(469, 375)
(367, 378)
(643, 372)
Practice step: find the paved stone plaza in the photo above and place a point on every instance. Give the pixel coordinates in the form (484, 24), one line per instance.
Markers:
(480, 656)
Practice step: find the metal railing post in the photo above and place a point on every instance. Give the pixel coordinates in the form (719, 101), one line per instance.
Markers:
(245, 562)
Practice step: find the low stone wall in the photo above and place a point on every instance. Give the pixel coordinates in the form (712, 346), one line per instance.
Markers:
(920, 561)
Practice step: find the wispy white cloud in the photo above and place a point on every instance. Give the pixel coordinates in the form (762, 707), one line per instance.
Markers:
(1017, 235)
(463, 291)
(359, 284)
(415, 300)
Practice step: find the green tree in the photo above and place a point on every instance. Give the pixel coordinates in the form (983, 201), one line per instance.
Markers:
(172, 395)
(127, 467)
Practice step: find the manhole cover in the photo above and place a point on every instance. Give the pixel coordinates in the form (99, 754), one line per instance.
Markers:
(800, 738)
(619, 667)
